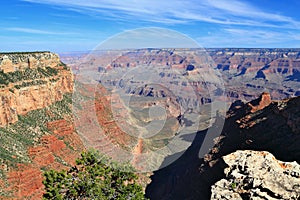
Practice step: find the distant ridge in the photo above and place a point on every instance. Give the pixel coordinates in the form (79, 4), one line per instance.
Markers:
(24, 52)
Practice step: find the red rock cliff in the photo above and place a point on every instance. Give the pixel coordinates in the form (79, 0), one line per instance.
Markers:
(21, 96)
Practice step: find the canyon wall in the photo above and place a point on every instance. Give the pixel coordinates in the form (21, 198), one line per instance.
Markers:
(31, 81)
(246, 72)
(10, 62)
(272, 126)
(36, 122)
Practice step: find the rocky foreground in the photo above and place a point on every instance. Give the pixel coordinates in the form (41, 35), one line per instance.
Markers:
(257, 175)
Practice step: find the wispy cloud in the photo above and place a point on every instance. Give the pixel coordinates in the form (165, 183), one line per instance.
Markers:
(233, 12)
(36, 31)
(236, 37)
(264, 36)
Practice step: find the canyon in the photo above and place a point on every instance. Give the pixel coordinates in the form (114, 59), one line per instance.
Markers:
(246, 72)
(153, 108)
(190, 87)
(268, 129)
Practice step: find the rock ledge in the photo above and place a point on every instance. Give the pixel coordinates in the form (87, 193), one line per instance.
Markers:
(257, 175)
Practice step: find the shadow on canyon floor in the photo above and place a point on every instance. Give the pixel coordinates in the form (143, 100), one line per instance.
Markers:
(182, 179)
(273, 128)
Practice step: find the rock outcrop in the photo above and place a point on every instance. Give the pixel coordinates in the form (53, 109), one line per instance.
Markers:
(36, 122)
(263, 101)
(257, 175)
(34, 81)
(11, 62)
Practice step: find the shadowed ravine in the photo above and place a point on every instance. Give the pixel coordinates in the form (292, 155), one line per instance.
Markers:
(261, 126)
(182, 179)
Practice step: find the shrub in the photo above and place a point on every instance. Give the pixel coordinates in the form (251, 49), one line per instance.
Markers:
(93, 177)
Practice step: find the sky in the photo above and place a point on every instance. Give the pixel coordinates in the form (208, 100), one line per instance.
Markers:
(81, 25)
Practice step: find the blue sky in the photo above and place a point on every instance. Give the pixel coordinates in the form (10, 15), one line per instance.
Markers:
(79, 25)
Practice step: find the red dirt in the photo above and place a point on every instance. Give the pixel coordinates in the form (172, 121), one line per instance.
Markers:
(60, 127)
(104, 113)
(25, 181)
(41, 156)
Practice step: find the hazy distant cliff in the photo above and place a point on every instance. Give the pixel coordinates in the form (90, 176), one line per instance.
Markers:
(246, 72)
(30, 81)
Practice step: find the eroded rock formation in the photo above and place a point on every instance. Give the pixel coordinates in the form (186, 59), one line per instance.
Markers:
(56, 151)
(263, 101)
(36, 122)
(257, 175)
(38, 89)
(10, 62)
(246, 72)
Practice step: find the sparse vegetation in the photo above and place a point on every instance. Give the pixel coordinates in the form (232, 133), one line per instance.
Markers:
(27, 74)
(64, 66)
(16, 138)
(31, 83)
(233, 185)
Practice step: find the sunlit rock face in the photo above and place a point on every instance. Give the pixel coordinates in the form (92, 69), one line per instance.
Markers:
(10, 62)
(31, 81)
(37, 130)
(249, 72)
(246, 72)
(257, 175)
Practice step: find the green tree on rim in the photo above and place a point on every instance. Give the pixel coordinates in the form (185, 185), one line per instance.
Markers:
(93, 177)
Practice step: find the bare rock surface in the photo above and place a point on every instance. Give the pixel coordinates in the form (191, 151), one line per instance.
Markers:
(263, 101)
(257, 175)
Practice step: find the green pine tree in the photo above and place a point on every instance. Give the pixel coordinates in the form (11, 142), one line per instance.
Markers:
(93, 177)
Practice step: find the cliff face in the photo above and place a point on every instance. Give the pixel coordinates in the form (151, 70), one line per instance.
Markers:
(36, 122)
(23, 179)
(31, 81)
(10, 62)
(257, 70)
